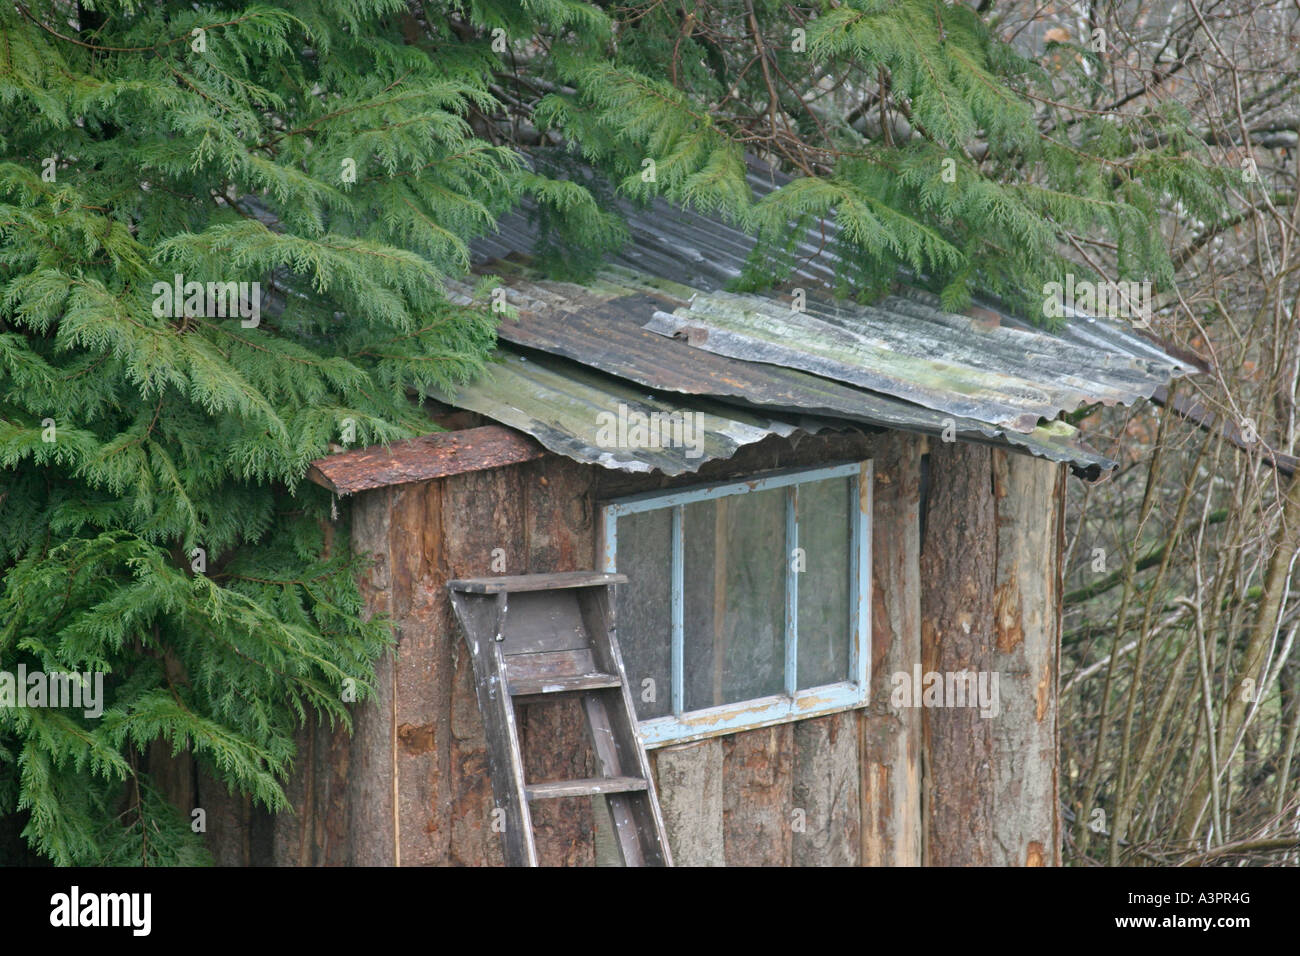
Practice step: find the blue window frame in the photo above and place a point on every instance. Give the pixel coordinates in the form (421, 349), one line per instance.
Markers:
(719, 578)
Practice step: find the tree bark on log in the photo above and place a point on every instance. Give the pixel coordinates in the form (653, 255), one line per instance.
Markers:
(1029, 496)
(958, 562)
(689, 779)
(757, 793)
(891, 739)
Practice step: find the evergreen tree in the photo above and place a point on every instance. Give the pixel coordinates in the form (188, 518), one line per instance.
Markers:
(154, 522)
(155, 526)
(940, 151)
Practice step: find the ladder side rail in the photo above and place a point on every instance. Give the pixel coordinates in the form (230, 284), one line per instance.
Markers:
(483, 620)
(598, 614)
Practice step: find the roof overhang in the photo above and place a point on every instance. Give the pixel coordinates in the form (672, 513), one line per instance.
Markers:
(657, 336)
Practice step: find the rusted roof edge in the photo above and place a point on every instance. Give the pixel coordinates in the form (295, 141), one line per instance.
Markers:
(1198, 414)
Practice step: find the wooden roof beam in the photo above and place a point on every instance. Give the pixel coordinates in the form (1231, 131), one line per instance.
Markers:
(419, 459)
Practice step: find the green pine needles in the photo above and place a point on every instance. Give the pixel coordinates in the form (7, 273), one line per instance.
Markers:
(156, 527)
(337, 157)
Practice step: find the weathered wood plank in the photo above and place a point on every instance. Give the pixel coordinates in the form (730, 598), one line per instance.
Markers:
(424, 458)
(372, 831)
(477, 540)
(1029, 494)
(542, 581)
(826, 788)
(958, 560)
(294, 836)
(422, 673)
(561, 530)
(590, 786)
(550, 664)
(891, 737)
(541, 622)
(324, 824)
(558, 535)
(527, 689)
(553, 737)
(758, 798)
(690, 795)
(316, 832)
(482, 617)
(474, 842)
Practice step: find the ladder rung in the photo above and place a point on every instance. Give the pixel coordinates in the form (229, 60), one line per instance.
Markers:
(559, 685)
(583, 788)
(536, 582)
(539, 638)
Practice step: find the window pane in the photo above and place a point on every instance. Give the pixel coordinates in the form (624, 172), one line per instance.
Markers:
(645, 608)
(825, 534)
(734, 598)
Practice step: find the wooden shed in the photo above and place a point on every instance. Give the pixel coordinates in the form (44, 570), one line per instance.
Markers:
(842, 532)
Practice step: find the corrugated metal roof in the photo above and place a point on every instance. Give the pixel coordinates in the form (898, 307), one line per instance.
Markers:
(601, 420)
(911, 350)
(694, 250)
(901, 363)
(601, 326)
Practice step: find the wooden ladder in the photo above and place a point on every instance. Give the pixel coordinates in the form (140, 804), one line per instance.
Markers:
(535, 637)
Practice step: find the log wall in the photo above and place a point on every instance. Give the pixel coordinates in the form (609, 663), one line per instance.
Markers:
(991, 567)
(411, 785)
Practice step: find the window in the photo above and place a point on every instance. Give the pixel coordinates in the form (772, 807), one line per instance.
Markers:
(747, 603)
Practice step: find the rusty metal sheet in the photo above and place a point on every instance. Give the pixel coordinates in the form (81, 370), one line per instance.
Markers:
(605, 332)
(901, 363)
(613, 340)
(419, 459)
(692, 250)
(594, 418)
(753, 366)
(910, 350)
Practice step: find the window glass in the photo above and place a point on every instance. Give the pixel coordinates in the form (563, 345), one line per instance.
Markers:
(645, 609)
(825, 536)
(734, 590)
(736, 574)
